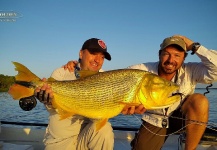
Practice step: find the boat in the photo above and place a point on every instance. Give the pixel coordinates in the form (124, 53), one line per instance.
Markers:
(29, 136)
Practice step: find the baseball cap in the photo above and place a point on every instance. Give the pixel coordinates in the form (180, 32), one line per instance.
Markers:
(173, 40)
(96, 45)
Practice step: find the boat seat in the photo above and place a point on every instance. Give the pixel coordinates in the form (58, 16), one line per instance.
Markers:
(10, 146)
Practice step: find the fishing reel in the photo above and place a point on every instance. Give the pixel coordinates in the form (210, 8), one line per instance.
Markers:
(27, 103)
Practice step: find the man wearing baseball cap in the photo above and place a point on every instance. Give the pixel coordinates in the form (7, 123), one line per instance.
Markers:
(191, 112)
(96, 45)
(77, 132)
(173, 41)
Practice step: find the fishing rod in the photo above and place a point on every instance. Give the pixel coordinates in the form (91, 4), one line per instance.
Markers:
(207, 89)
(179, 130)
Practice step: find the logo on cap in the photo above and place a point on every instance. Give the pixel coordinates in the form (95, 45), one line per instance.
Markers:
(102, 44)
(175, 39)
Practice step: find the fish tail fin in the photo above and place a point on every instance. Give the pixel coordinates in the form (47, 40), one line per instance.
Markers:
(24, 74)
(18, 91)
(24, 83)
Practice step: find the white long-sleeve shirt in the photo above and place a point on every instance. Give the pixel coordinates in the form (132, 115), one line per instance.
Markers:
(188, 76)
(57, 129)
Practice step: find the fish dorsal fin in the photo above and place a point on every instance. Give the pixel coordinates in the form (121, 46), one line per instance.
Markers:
(86, 73)
(51, 79)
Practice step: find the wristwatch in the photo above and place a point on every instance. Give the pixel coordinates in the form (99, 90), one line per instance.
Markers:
(195, 47)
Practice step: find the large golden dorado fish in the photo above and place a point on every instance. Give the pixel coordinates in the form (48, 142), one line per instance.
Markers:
(99, 95)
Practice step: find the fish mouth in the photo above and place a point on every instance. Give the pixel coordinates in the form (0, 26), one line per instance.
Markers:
(174, 94)
(172, 99)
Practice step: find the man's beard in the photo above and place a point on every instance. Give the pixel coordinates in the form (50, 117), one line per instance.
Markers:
(167, 71)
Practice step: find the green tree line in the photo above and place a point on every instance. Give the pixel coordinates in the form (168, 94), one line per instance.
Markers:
(6, 82)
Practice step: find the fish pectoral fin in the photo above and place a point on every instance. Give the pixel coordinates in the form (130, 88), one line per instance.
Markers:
(64, 114)
(100, 123)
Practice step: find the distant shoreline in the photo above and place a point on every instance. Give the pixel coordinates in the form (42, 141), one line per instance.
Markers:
(205, 88)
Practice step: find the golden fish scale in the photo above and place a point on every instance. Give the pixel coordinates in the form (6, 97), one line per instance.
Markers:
(98, 96)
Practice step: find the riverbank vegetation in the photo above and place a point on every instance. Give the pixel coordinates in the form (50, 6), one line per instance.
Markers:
(6, 82)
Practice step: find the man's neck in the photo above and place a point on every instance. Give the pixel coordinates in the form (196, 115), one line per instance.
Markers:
(167, 76)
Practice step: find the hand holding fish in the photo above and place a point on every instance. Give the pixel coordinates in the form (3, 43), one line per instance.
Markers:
(44, 94)
(129, 110)
(70, 65)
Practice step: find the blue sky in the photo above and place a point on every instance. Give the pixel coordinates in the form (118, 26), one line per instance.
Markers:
(49, 33)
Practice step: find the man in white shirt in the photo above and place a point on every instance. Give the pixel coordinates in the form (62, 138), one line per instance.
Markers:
(193, 106)
(76, 132)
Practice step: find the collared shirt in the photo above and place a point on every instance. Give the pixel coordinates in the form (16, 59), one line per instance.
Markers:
(57, 129)
(188, 76)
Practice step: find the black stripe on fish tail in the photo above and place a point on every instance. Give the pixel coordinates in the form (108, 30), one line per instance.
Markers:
(26, 84)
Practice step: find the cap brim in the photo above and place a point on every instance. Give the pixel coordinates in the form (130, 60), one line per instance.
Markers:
(107, 55)
(172, 44)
